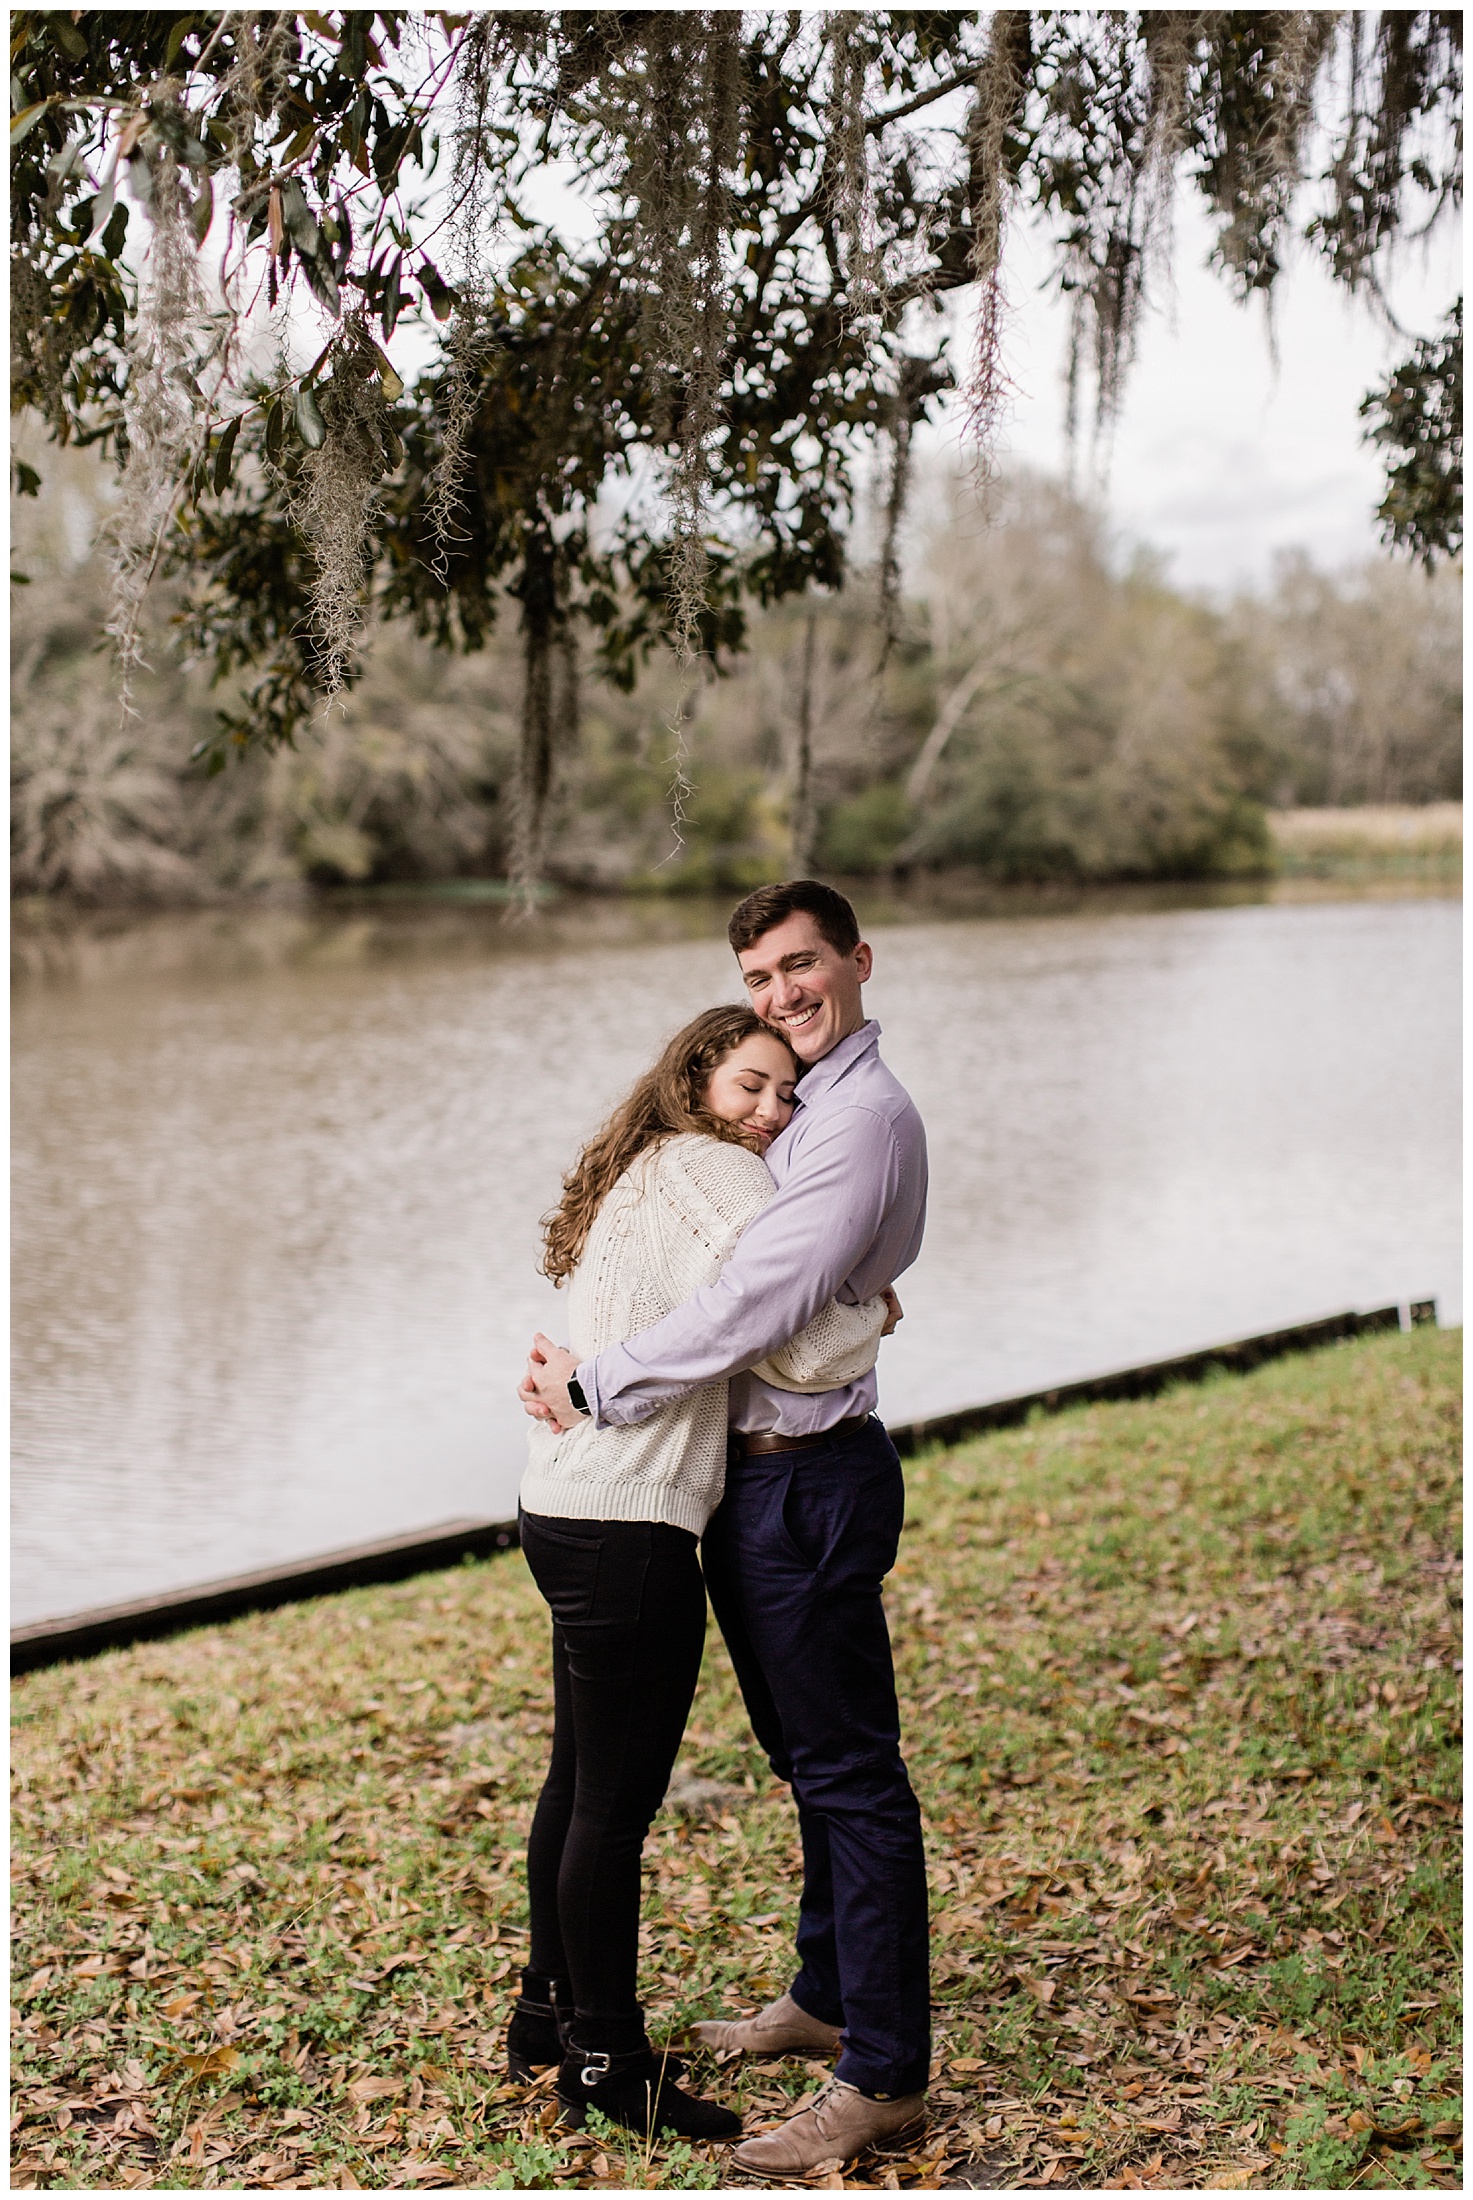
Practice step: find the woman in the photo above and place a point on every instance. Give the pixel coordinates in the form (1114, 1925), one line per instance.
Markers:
(609, 1524)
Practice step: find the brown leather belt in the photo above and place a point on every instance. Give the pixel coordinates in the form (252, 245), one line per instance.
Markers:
(753, 1446)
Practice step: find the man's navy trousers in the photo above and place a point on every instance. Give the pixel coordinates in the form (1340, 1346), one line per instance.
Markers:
(794, 1558)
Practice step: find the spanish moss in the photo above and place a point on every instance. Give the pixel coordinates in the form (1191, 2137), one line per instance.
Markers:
(998, 102)
(687, 83)
(161, 414)
(258, 78)
(1257, 170)
(1172, 40)
(467, 343)
(333, 502)
(847, 156)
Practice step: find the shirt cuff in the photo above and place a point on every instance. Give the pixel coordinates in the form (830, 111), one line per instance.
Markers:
(587, 1378)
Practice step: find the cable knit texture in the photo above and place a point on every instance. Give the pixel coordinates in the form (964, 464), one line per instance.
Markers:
(663, 1230)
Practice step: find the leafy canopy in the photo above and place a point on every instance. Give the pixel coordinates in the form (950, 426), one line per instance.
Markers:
(773, 207)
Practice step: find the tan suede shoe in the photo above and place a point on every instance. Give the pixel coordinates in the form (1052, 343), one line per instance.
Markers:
(832, 2130)
(782, 2028)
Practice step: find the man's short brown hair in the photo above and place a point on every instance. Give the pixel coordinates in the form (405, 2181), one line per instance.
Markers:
(833, 915)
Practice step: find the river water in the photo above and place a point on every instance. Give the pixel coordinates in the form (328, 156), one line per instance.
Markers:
(278, 1177)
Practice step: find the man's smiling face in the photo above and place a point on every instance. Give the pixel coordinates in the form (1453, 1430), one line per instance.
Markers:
(806, 989)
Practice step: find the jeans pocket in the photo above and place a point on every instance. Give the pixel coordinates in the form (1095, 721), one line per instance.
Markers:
(804, 1529)
(841, 1515)
(564, 1565)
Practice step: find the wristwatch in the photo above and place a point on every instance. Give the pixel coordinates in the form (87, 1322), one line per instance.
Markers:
(575, 1392)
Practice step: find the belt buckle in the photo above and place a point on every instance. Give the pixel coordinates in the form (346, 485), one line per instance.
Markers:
(595, 2068)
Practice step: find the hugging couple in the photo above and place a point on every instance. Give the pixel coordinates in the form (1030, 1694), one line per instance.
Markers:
(729, 1239)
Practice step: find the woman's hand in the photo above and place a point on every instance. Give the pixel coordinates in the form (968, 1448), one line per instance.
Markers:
(897, 1311)
(543, 1390)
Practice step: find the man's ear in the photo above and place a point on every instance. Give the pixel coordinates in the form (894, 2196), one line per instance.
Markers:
(864, 961)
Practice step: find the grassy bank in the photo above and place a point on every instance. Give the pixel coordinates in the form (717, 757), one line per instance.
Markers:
(1179, 1685)
(1388, 841)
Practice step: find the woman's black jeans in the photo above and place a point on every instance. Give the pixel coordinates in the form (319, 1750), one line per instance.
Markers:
(628, 1627)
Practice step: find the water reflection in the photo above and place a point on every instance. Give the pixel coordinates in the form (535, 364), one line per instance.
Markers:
(277, 1181)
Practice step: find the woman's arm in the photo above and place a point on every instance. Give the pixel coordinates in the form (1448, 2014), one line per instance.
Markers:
(840, 1344)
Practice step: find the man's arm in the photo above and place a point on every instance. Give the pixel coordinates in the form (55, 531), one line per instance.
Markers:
(788, 1263)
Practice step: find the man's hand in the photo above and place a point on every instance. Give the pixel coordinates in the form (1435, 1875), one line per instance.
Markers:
(897, 1311)
(543, 1390)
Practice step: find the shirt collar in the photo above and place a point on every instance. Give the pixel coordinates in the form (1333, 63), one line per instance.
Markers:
(838, 1061)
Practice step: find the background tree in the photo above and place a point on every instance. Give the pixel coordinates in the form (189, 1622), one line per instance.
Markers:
(1077, 717)
(778, 204)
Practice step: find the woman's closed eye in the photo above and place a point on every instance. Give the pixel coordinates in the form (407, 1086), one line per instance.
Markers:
(754, 1086)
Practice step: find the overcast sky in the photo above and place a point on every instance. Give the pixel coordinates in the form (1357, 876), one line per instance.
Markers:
(1220, 457)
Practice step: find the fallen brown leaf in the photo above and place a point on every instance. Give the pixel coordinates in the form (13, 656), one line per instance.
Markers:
(376, 2089)
(211, 2063)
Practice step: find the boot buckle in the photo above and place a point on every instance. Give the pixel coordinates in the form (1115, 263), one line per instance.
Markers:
(595, 2068)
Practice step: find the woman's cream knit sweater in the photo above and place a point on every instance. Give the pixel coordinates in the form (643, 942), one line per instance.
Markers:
(663, 1230)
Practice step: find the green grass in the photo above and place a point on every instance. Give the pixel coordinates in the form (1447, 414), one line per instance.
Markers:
(1179, 1684)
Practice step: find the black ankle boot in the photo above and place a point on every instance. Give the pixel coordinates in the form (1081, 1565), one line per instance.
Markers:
(540, 2024)
(638, 2091)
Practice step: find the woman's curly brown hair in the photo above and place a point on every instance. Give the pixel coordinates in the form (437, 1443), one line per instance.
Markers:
(668, 1099)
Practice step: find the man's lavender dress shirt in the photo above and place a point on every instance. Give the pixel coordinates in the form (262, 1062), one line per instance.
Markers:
(847, 1220)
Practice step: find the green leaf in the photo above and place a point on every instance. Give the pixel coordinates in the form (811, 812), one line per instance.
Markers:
(172, 125)
(344, 239)
(23, 123)
(224, 457)
(275, 429)
(301, 223)
(66, 161)
(102, 205)
(322, 282)
(202, 213)
(67, 36)
(438, 292)
(393, 298)
(311, 426)
(393, 386)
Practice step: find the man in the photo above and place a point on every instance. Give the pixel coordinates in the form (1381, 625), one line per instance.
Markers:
(809, 1526)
